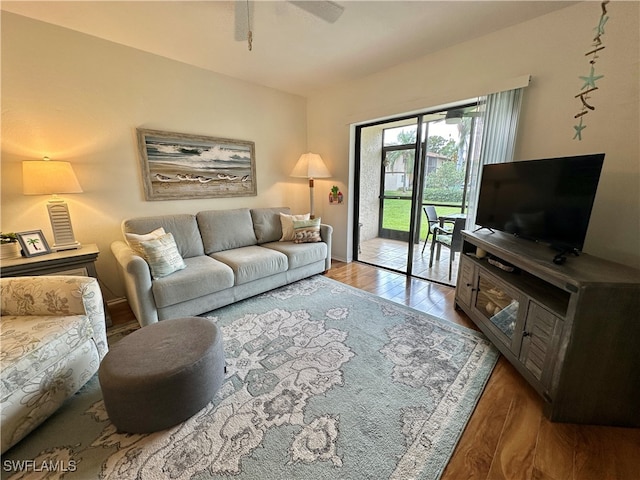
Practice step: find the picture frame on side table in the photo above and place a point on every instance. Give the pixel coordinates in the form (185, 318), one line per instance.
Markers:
(33, 243)
(179, 166)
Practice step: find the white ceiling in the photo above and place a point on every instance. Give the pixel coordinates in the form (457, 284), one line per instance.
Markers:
(293, 50)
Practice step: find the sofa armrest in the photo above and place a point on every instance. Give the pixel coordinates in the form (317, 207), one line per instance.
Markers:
(137, 282)
(56, 295)
(326, 233)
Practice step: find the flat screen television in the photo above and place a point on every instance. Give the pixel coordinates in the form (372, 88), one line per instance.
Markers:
(547, 200)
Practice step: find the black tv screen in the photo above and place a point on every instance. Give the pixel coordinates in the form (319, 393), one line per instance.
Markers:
(547, 200)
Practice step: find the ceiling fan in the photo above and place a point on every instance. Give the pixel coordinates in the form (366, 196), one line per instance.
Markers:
(455, 115)
(324, 9)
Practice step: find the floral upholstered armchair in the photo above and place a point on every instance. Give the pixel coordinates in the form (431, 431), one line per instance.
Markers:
(52, 339)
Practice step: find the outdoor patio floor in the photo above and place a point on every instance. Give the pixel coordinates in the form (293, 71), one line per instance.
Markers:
(392, 254)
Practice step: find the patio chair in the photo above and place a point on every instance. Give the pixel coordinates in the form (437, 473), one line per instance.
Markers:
(432, 218)
(450, 239)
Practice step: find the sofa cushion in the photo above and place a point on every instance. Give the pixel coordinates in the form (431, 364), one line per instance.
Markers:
(203, 276)
(286, 222)
(162, 256)
(299, 254)
(266, 223)
(226, 229)
(252, 263)
(183, 227)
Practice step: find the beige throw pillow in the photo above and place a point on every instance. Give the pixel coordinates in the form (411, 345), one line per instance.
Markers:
(134, 239)
(162, 256)
(287, 225)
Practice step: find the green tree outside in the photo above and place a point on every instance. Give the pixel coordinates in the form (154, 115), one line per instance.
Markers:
(444, 185)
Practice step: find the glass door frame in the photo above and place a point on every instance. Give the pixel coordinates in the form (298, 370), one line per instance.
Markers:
(417, 162)
(420, 154)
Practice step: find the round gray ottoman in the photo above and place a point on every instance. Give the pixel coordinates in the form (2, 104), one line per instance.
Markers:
(162, 374)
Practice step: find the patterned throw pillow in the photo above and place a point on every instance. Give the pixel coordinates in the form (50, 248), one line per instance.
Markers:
(306, 231)
(287, 225)
(134, 239)
(162, 256)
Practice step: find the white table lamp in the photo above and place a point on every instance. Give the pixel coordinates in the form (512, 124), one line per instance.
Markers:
(48, 177)
(310, 165)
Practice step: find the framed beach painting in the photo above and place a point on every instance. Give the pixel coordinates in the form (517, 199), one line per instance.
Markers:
(178, 166)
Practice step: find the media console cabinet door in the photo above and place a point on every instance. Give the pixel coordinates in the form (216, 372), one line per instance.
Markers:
(466, 279)
(539, 342)
(501, 309)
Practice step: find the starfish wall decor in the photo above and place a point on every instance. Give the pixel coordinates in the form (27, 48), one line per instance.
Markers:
(590, 80)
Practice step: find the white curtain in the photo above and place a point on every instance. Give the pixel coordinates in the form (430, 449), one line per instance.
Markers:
(499, 129)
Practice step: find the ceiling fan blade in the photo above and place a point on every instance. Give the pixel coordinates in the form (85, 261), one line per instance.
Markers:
(243, 15)
(458, 113)
(326, 10)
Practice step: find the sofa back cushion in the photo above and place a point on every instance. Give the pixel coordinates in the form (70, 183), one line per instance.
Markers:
(226, 229)
(183, 227)
(266, 223)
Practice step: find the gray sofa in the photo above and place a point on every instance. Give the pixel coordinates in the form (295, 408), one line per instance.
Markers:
(229, 255)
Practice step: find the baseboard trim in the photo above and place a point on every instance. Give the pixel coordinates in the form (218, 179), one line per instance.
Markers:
(116, 301)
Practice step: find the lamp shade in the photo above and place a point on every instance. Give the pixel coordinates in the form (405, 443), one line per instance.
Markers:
(310, 165)
(43, 177)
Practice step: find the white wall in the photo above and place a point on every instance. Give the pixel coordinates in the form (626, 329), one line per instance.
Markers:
(550, 48)
(77, 98)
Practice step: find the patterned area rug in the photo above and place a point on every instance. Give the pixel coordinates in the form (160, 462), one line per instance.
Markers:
(324, 381)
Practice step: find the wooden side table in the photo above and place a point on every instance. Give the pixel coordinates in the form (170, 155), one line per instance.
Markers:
(80, 262)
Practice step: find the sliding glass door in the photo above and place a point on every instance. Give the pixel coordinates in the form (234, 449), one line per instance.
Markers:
(403, 166)
(396, 191)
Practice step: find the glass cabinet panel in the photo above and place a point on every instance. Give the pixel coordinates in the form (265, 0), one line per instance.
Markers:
(497, 305)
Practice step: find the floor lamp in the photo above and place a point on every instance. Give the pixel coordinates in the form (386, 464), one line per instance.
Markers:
(310, 165)
(48, 177)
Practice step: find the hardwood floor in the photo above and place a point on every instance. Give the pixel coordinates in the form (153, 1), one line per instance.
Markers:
(508, 436)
